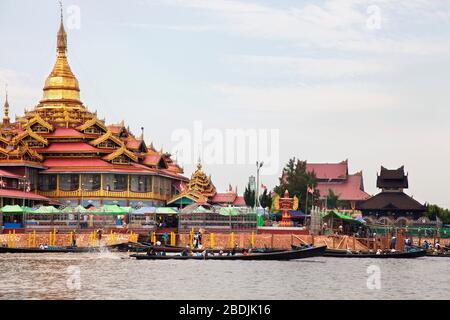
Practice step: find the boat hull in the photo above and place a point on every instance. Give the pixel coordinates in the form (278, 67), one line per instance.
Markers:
(391, 255)
(284, 255)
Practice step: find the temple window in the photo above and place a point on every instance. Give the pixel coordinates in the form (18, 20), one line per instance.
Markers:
(161, 185)
(94, 130)
(69, 182)
(167, 187)
(47, 182)
(115, 182)
(39, 128)
(156, 187)
(108, 144)
(121, 160)
(91, 182)
(141, 183)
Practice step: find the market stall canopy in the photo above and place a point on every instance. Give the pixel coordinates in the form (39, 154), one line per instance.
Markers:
(166, 210)
(229, 211)
(46, 210)
(144, 210)
(110, 209)
(14, 209)
(77, 209)
(338, 215)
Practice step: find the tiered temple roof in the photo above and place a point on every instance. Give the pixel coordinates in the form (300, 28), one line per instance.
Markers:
(392, 199)
(335, 177)
(60, 133)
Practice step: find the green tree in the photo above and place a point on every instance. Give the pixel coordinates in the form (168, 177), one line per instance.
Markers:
(434, 211)
(249, 196)
(265, 200)
(295, 179)
(332, 200)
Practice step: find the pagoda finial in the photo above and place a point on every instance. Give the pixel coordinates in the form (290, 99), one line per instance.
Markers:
(142, 134)
(6, 107)
(199, 163)
(62, 36)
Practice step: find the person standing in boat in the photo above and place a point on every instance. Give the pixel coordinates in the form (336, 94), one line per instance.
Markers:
(74, 239)
(393, 242)
(99, 236)
(196, 241)
(200, 237)
(165, 237)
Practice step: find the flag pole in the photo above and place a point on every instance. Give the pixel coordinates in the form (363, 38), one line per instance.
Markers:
(306, 205)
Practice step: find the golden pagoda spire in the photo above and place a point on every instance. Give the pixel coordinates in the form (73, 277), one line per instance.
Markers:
(6, 107)
(61, 88)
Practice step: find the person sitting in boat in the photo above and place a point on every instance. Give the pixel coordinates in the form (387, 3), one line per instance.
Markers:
(158, 243)
(438, 246)
(349, 251)
(41, 246)
(221, 253)
(184, 253)
(426, 245)
(379, 252)
(151, 252)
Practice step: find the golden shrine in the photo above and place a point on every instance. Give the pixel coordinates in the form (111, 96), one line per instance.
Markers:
(71, 156)
(198, 190)
(286, 204)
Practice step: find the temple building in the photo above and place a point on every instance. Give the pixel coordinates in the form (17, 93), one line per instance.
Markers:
(67, 154)
(335, 177)
(201, 190)
(392, 205)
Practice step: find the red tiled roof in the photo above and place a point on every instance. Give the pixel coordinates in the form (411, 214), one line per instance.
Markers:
(133, 144)
(7, 174)
(8, 193)
(152, 159)
(65, 132)
(239, 201)
(349, 190)
(329, 170)
(69, 147)
(59, 162)
(227, 197)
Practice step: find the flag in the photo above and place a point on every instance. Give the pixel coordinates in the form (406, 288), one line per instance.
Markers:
(263, 186)
(310, 189)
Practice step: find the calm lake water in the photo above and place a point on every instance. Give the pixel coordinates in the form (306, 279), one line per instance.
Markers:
(115, 276)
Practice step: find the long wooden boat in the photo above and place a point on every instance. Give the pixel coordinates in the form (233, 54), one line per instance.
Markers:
(445, 254)
(392, 255)
(53, 250)
(144, 247)
(284, 255)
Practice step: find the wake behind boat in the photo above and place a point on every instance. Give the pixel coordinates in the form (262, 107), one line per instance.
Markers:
(283, 255)
(53, 249)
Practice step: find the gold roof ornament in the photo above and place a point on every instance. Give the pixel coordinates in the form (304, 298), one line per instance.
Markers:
(61, 87)
(201, 183)
(6, 107)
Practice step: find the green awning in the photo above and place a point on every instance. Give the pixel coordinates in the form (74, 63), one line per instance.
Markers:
(112, 209)
(46, 210)
(341, 216)
(14, 209)
(166, 210)
(228, 211)
(183, 201)
(77, 209)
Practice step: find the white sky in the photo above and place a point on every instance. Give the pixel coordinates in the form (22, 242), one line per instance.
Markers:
(356, 79)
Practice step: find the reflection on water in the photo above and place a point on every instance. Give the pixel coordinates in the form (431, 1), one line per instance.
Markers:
(115, 276)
